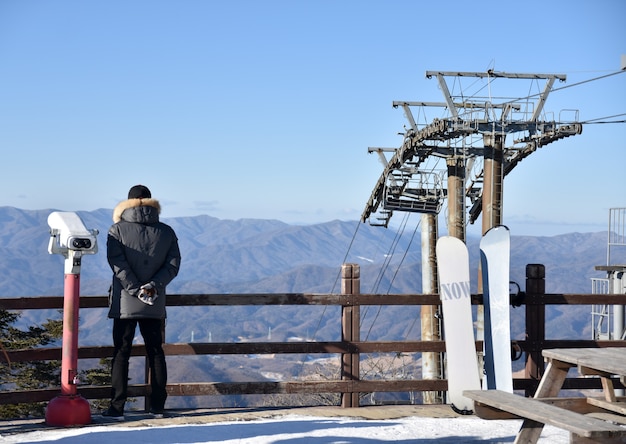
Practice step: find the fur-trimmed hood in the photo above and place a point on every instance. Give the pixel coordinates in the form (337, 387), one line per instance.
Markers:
(135, 203)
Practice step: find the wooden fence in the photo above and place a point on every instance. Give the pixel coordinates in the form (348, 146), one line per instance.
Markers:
(350, 347)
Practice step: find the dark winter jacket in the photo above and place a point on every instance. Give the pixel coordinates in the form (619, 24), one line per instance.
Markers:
(140, 250)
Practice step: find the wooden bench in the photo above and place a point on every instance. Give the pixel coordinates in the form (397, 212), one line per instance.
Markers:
(496, 404)
(618, 405)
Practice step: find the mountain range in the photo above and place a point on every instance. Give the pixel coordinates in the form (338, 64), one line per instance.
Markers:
(269, 256)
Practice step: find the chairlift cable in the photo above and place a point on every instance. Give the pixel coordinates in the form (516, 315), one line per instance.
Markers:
(389, 290)
(390, 253)
(395, 273)
(388, 259)
(589, 80)
(384, 266)
(600, 119)
(319, 323)
(612, 121)
(406, 251)
(346, 256)
(398, 268)
(582, 82)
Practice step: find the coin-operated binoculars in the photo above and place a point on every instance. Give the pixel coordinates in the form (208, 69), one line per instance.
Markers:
(70, 238)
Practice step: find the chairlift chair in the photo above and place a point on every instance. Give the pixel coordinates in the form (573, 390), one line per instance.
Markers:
(413, 191)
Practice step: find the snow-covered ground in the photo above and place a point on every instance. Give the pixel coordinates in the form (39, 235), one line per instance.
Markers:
(296, 429)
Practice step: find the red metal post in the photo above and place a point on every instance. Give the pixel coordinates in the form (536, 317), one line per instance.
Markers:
(69, 409)
(69, 363)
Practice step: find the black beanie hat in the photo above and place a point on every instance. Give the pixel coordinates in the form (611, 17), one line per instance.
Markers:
(139, 192)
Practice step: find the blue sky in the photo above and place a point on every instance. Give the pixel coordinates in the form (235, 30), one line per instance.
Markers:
(265, 109)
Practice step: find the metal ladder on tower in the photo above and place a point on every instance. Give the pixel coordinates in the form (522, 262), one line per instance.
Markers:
(607, 321)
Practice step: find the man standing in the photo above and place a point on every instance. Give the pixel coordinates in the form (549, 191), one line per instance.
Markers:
(144, 256)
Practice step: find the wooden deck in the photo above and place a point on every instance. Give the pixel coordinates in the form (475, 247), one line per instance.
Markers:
(203, 416)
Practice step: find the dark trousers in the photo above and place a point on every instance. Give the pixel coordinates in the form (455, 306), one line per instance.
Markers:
(123, 334)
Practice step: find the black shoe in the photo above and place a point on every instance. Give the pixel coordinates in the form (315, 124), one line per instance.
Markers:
(157, 413)
(113, 414)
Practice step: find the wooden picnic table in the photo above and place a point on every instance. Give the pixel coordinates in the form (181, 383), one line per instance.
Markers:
(567, 413)
(602, 362)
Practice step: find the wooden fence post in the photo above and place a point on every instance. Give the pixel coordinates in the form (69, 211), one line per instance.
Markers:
(535, 323)
(350, 330)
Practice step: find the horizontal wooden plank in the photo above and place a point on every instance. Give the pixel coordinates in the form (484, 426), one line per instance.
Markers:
(306, 347)
(574, 404)
(244, 348)
(609, 416)
(609, 360)
(235, 388)
(87, 392)
(578, 405)
(574, 299)
(173, 300)
(574, 343)
(328, 386)
(619, 406)
(543, 413)
(241, 348)
(227, 299)
(485, 411)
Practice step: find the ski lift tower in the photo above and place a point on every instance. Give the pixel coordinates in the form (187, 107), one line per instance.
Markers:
(481, 138)
(471, 137)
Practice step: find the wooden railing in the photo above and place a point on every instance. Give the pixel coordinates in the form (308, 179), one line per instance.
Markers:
(350, 347)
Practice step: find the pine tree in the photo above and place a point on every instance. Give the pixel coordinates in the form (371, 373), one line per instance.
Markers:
(100, 375)
(27, 375)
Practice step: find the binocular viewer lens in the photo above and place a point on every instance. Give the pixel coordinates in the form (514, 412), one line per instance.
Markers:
(81, 243)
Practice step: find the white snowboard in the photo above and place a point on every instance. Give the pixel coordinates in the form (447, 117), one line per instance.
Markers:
(454, 289)
(495, 258)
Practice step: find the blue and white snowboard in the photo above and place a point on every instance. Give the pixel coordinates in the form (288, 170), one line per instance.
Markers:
(495, 257)
(454, 289)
